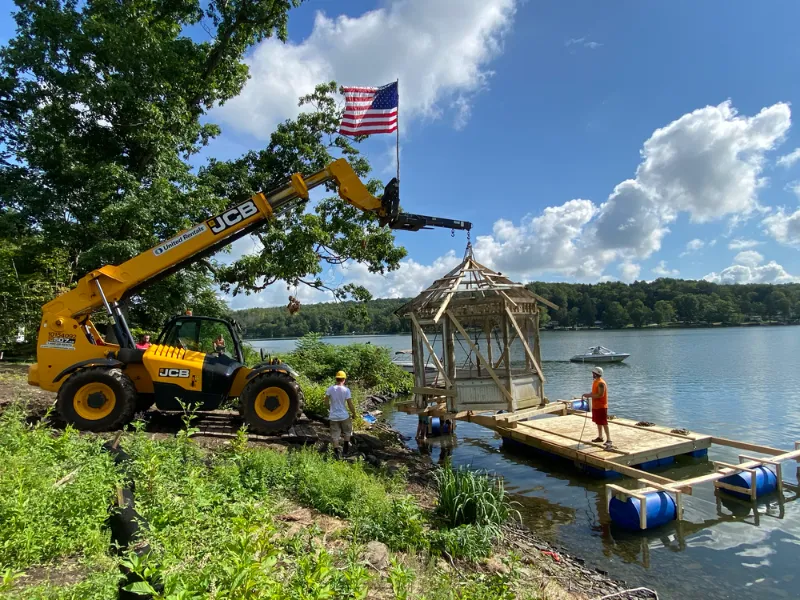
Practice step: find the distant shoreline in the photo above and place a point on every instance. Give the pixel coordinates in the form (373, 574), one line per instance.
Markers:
(558, 329)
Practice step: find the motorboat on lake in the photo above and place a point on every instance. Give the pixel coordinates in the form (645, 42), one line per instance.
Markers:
(600, 354)
(405, 360)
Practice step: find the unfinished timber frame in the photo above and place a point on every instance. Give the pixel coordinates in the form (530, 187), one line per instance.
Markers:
(480, 330)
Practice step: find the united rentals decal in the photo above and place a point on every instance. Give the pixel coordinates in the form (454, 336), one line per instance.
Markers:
(178, 240)
(60, 341)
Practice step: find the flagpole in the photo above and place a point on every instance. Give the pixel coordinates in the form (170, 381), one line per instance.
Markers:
(398, 129)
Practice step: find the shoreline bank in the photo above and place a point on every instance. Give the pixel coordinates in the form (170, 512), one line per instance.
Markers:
(549, 571)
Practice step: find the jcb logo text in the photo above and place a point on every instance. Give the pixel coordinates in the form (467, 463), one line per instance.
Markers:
(232, 216)
(173, 372)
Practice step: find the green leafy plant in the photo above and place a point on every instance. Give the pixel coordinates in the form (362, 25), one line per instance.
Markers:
(54, 492)
(467, 497)
(401, 579)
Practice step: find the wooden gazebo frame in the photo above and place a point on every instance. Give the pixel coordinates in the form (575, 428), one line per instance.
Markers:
(489, 317)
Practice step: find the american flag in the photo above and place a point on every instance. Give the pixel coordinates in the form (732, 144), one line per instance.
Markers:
(369, 110)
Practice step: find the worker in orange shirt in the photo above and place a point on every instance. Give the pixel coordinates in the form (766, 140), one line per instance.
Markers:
(599, 396)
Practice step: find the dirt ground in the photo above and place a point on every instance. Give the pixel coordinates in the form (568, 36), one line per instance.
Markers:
(549, 570)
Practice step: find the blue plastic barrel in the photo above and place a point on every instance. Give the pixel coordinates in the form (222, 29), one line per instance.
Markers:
(580, 405)
(660, 507)
(436, 426)
(766, 482)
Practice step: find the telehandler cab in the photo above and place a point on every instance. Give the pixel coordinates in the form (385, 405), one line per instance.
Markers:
(101, 385)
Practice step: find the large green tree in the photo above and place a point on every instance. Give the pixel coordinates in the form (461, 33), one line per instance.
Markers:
(103, 103)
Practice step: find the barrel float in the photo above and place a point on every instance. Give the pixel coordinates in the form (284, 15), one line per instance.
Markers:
(660, 507)
(580, 405)
(436, 426)
(766, 482)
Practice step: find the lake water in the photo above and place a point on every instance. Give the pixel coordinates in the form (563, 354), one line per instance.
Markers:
(741, 383)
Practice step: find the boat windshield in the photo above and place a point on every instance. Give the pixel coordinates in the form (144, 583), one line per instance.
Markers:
(599, 350)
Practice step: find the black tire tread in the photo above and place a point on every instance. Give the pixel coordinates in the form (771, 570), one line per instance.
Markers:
(84, 376)
(245, 404)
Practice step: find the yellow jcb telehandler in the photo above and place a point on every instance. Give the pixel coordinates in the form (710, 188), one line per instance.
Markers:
(101, 385)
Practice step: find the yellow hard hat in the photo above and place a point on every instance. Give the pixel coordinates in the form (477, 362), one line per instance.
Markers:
(341, 375)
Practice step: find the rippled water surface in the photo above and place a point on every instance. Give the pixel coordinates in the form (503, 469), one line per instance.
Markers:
(741, 383)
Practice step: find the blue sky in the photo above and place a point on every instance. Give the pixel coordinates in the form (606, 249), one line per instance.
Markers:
(524, 117)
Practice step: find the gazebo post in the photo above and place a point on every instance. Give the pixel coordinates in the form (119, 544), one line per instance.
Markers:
(507, 354)
(487, 328)
(448, 343)
(528, 338)
(418, 355)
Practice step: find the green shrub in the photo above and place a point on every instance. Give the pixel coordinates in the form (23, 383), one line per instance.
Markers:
(39, 520)
(365, 364)
(467, 497)
(314, 394)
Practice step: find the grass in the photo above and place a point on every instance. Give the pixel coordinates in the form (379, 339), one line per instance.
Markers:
(216, 527)
(42, 516)
(470, 498)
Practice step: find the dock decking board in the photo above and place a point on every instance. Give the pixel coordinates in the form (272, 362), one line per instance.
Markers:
(570, 435)
(632, 445)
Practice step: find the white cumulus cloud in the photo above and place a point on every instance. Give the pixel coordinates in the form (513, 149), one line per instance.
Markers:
(749, 258)
(742, 244)
(440, 51)
(787, 160)
(546, 243)
(629, 272)
(693, 246)
(784, 227)
(747, 267)
(661, 270)
(771, 272)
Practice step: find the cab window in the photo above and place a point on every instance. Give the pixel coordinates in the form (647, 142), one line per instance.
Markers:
(201, 336)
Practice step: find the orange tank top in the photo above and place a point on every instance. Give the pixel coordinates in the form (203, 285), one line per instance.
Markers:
(602, 401)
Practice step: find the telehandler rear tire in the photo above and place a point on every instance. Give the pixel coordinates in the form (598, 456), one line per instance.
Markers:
(97, 399)
(271, 403)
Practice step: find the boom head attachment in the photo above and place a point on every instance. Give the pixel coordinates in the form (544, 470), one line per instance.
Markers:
(390, 207)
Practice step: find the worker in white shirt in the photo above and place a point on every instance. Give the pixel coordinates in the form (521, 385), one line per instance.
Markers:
(339, 399)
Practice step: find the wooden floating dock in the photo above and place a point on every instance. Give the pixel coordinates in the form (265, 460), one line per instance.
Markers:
(566, 433)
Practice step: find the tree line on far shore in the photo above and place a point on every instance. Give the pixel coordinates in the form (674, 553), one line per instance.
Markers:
(611, 304)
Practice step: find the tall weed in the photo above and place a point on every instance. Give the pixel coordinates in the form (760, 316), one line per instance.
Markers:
(470, 498)
(54, 492)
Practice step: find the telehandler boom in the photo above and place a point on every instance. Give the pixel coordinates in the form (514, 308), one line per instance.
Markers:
(101, 385)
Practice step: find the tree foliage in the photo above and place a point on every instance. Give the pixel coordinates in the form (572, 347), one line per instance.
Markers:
(668, 300)
(103, 104)
(614, 304)
(328, 318)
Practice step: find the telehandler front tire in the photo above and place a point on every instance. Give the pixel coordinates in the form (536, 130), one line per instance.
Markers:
(271, 403)
(97, 399)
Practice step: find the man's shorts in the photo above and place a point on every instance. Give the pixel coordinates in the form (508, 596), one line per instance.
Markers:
(600, 416)
(341, 429)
